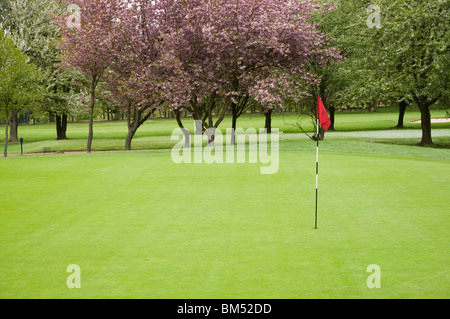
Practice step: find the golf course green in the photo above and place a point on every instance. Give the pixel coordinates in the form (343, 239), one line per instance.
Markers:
(140, 226)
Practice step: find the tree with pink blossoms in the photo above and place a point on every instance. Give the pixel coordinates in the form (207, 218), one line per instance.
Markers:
(241, 48)
(144, 74)
(132, 67)
(87, 40)
(124, 44)
(203, 56)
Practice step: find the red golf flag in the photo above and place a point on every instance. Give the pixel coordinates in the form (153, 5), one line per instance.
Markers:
(322, 115)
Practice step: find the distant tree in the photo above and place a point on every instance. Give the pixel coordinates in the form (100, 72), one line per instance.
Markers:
(87, 44)
(235, 50)
(63, 98)
(407, 55)
(4, 10)
(143, 73)
(29, 24)
(19, 80)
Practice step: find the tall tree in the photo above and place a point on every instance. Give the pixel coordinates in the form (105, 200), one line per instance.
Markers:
(4, 9)
(409, 50)
(18, 80)
(87, 46)
(29, 24)
(62, 98)
(143, 73)
(239, 49)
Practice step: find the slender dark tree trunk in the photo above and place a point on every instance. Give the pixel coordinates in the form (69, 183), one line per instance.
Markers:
(117, 114)
(130, 135)
(91, 115)
(5, 150)
(321, 134)
(198, 125)
(14, 124)
(58, 126)
(135, 123)
(197, 115)
(268, 124)
(91, 128)
(203, 115)
(211, 133)
(51, 117)
(212, 129)
(233, 123)
(61, 127)
(187, 134)
(237, 108)
(234, 112)
(332, 110)
(426, 125)
(64, 125)
(401, 113)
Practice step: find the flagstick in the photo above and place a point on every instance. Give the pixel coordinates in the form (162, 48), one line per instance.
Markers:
(317, 169)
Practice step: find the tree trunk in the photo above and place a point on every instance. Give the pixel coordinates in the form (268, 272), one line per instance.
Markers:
(198, 124)
(187, 134)
(64, 125)
(134, 124)
(268, 124)
(5, 150)
(91, 129)
(401, 114)
(210, 133)
(14, 124)
(233, 124)
(321, 134)
(117, 114)
(61, 127)
(211, 128)
(426, 125)
(58, 126)
(129, 138)
(332, 110)
(51, 117)
(91, 117)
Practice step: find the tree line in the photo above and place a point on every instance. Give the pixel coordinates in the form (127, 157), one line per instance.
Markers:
(209, 59)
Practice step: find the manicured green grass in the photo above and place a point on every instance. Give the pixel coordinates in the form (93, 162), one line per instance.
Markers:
(155, 134)
(140, 226)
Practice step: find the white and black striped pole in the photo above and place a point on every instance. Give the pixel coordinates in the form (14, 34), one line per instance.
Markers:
(317, 169)
(323, 118)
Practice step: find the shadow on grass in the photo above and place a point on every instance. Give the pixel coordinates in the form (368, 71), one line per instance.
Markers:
(402, 128)
(439, 143)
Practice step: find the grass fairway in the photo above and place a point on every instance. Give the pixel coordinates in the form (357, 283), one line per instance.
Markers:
(155, 134)
(140, 226)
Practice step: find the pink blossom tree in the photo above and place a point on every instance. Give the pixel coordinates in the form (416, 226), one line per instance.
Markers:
(87, 44)
(203, 56)
(144, 74)
(234, 49)
(132, 74)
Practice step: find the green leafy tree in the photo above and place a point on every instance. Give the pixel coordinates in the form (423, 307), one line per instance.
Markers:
(341, 85)
(19, 80)
(29, 22)
(335, 78)
(63, 99)
(407, 56)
